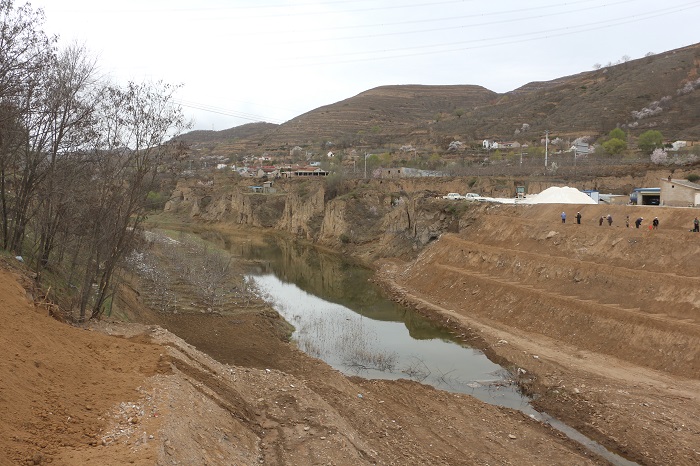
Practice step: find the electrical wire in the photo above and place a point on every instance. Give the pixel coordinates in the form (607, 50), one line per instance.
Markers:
(505, 40)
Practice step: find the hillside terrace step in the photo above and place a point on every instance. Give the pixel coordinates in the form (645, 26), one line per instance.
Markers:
(595, 305)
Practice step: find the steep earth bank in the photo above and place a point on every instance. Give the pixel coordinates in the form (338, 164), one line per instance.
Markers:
(366, 218)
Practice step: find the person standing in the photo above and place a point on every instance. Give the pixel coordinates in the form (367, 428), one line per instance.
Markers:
(696, 225)
(655, 222)
(600, 221)
(638, 222)
(627, 221)
(563, 217)
(578, 218)
(609, 220)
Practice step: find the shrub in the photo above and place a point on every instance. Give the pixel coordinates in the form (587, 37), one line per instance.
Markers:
(650, 140)
(617, 133)
(156, 200)
(614, 146)
(693, 177)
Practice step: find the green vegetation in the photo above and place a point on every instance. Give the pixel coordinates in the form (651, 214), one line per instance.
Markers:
(156, 200)
(693, 177)
(616, 143)
(614, 146)
(650, 140)
(617, 133)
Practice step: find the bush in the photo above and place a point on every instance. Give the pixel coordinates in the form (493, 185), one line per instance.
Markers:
(693, 177)
(617, 133)
(650, 140)
(614, 146)
(659, 157)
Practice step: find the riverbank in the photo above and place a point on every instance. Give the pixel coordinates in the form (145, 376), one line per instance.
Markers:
(601, 322)
(236, 393)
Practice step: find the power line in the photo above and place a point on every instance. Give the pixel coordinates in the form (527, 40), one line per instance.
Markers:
(460, 26)
(339, 27)
(272, 7)
(507, 40)
(225, 112)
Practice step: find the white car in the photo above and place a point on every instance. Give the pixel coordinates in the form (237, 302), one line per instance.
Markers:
(453, 196)
(474, 197)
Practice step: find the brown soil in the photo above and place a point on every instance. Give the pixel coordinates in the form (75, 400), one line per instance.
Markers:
(603, 320)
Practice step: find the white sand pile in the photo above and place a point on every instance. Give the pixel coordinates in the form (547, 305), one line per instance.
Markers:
(558, 195)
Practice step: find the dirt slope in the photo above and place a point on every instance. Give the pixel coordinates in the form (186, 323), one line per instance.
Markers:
(605, 321)
(72, 396)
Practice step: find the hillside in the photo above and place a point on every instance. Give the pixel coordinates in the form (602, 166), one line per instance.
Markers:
(661, 91)
(387, 113)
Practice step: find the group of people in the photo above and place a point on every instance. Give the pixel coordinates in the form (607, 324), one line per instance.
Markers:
(637, 223)
(603, 219)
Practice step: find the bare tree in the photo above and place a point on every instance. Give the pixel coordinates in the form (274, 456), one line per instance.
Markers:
(66, 126)
(134, 125)
(25, 52)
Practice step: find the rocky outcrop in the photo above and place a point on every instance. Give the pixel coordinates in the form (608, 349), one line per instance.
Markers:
(367, 218)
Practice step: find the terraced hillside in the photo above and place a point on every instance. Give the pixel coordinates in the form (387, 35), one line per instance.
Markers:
(660, 92)
(603, 322)
(382, 114)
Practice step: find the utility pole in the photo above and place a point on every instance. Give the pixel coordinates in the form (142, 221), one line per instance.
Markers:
(546, 146)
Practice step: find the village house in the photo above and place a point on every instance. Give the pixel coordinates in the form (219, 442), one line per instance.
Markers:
(679, 193)
(491, 144)
(268, 171)
(581, 148)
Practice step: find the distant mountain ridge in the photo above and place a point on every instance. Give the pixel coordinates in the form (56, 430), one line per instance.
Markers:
(660, 92)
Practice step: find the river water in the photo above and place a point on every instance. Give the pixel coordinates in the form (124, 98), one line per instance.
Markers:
(341, 317)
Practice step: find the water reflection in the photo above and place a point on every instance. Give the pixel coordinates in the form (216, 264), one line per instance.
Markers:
(341, 317)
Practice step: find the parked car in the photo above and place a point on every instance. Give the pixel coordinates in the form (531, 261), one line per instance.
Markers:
(453, 196)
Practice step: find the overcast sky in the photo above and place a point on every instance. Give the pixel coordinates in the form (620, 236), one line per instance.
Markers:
(241, 61)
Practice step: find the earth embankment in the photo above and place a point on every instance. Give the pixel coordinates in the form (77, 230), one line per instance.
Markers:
(603, 322)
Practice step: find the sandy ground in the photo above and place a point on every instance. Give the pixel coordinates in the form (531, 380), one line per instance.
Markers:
(602, 321)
